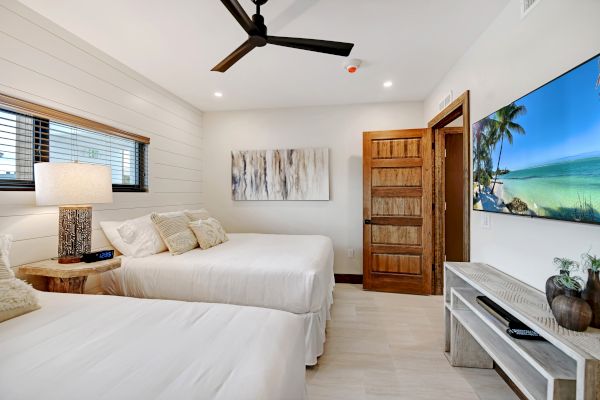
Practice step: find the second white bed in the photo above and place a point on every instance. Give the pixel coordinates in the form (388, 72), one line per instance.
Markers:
(292, 273)
(106, 347)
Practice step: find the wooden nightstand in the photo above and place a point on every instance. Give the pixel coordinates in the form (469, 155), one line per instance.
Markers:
(68, 278)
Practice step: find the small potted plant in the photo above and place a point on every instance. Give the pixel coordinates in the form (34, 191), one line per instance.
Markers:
(565, 266)
(569, 309)
(591, 292)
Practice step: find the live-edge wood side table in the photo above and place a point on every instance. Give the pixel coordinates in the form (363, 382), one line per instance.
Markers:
(68, 278)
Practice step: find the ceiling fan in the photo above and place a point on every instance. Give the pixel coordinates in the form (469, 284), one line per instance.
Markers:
(257, 37)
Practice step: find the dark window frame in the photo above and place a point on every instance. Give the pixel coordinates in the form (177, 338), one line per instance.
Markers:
(41, 139)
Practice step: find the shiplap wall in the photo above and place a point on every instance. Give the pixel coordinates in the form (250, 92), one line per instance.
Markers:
(42, 63)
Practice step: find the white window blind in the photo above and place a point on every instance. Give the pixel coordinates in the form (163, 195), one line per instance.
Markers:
(25, 140)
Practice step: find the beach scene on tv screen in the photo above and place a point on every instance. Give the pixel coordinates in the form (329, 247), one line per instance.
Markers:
(540, 155)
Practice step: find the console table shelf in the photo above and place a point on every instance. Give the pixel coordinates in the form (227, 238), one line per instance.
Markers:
(564, 367)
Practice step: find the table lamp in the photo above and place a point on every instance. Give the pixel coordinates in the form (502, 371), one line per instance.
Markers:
(73, 187)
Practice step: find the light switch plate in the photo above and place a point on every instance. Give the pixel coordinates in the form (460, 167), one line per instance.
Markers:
(486, 221)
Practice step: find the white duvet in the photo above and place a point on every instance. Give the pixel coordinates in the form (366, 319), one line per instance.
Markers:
(104, 347)
(286, 272)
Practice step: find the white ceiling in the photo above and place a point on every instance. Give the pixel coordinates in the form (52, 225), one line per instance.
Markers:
(176, 43)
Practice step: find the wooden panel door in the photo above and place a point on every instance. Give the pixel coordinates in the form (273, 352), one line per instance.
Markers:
(397, 210)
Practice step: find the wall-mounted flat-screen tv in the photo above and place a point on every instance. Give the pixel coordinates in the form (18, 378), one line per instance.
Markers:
(539, 156)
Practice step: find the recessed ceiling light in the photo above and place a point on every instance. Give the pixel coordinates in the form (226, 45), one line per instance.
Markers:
(388, 84)
(218, 94)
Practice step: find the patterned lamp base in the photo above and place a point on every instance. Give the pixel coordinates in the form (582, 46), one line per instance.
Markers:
(74, 233)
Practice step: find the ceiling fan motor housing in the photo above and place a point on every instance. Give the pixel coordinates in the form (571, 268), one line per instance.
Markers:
(260, 38)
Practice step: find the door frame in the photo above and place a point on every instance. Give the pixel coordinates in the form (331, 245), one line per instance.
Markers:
(459, 107)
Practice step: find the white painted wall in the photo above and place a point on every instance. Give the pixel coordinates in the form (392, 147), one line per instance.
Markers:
(338, 128)
(510, 59)
(42, 63)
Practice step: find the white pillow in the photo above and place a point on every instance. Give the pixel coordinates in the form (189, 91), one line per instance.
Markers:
(136, 237)
(142, 236)
(110, 230)
(5, 270)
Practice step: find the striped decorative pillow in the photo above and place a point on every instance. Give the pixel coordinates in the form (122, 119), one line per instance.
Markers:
(5, 270)
(174, 230)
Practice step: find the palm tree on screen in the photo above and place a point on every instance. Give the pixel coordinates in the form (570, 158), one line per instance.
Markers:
(504, 127)
(482, 151)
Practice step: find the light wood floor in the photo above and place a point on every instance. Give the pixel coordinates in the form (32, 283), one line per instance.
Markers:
(389, 346)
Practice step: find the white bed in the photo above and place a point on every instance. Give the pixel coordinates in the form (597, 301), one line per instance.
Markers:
(292, 273)
(106, 347)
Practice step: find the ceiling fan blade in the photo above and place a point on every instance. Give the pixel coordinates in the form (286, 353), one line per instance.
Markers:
(240, 15)
(234, 57)
(321, 46)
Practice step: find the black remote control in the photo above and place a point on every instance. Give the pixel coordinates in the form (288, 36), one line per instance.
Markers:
(526, 334)
(515, 328)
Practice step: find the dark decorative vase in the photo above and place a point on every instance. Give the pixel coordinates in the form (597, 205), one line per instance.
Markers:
(571, 311)
(552, 289)
(591, 294)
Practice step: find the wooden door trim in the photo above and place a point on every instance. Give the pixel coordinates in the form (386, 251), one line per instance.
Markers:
(367, 206)
(459, 107)
(427, 227)
(454, 110)
(452, 130)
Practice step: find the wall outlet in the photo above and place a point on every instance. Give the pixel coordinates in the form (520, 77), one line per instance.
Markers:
(486, 221)
(350, 252)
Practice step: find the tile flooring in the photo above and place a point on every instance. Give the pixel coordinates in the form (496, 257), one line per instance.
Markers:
(389, 346)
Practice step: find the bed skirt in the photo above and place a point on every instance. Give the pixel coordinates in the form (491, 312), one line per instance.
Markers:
(314, 328)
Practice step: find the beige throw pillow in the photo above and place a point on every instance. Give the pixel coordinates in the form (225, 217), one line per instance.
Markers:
(174, 230)
(196, 215)
(209, 232)
(16, 297)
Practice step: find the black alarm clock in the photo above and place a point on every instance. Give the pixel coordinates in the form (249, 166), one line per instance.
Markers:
(98, 256)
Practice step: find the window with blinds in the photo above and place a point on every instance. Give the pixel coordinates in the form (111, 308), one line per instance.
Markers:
(28, 139)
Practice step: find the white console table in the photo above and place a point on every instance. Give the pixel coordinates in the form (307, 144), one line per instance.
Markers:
(567, 366)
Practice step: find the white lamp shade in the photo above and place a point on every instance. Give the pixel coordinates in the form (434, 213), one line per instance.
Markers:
(72, 184)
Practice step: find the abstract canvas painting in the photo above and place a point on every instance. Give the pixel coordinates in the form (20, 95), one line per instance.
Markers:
(289, 174)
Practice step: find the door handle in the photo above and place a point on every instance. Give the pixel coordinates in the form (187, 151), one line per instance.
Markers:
(367, 222)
